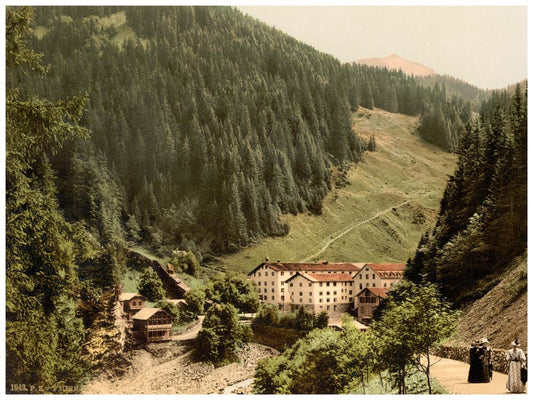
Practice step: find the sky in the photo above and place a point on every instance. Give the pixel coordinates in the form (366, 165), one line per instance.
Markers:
(482, 45)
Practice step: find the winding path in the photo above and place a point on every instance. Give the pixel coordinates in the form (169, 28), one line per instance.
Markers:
(343, 231)
(452, 375)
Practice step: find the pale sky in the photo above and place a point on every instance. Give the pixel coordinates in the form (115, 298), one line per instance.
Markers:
(483, 45)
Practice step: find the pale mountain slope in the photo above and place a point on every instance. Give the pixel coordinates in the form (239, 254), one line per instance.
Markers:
(392, 199)
(394, 61)
(500, 315)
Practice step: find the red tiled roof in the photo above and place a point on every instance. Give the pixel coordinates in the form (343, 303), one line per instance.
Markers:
(331, 277)
(378, 291)
(393, 271)
(386, 267)
(315, 267)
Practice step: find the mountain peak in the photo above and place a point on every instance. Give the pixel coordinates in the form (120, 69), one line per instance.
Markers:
(394, 61)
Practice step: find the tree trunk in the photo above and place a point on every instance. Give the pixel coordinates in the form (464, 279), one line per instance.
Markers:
(427, 371)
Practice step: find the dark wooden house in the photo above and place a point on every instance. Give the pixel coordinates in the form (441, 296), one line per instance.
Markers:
(152, 325)
(368, 300)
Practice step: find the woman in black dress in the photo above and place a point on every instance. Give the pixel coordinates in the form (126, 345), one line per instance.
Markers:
(475, 373)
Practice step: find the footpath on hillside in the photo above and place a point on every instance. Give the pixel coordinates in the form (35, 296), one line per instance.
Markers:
(452, 375)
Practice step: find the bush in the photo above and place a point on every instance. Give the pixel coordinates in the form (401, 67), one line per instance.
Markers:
(150, 285)
(235, 290)
(221, 335)
(195, 299)
(170, 308)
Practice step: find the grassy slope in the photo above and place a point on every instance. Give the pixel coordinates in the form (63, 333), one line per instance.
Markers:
(501, 314)
(403, 170)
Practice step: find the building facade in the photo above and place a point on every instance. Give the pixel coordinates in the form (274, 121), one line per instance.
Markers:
(321, 292)
(152, 325)
(131, 303)
(325, 286)
(368, 300)
(271, 280)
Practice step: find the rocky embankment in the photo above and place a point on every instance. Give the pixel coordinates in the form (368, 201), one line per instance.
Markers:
(167, 368)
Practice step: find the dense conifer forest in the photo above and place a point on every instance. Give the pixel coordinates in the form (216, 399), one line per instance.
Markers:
(195, 128)
(206, 124)
(482, 223)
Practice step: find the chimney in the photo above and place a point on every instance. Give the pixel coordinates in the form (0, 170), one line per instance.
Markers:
(325, 262)
(266, 259)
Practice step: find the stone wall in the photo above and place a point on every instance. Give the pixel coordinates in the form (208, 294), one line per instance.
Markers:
(462, 354)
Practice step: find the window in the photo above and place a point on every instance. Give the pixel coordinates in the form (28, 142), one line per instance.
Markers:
(282, 298)
(327, 293)
(272, 297)
(133, 303)
(310, 301)
(272, 283)
(301, 284)
(327, 301)
(366, 276)
(360, 276)
(321, 307)
(259, 274)
(320, 284)
(334, 283)
(291, 284)
(385, 284)
(282, 283)
(350, 292)
(265, 290)
(273, 290)
(265, 283)
(360, 286)
(373, 276)
(282, 273)
(301, 294)
(310, 284)
(367, 284)
(335, 293)
(328, 308)
(310, 293)
(361, 300)
(351, 299)
(301, 300)
(372, 299)
(373, 285)
(282, 290)
(320, 301)
(321, 293)
(258, 283)
(327, 284)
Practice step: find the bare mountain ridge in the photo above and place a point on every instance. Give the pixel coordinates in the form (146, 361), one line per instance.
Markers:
(394, 61)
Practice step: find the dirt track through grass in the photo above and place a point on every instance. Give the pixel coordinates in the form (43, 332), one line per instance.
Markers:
(344, 231)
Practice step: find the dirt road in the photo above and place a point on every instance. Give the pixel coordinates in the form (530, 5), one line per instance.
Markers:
(452, 375)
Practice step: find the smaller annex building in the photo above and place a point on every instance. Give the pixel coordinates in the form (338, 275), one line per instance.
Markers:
(152, 325)
(368, 300)
(131, 303)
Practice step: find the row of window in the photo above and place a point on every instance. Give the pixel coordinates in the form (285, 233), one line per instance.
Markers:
(367, 300)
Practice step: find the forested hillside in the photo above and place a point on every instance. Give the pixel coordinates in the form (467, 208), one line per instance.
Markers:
(482, 223)
(207, 124)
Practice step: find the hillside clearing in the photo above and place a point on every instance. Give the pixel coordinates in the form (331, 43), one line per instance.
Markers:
(392, 199)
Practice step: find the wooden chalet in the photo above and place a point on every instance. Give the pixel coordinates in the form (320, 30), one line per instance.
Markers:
(152, 325)
(131, 303)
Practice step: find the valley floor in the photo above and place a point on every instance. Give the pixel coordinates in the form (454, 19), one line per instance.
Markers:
(167, 368)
